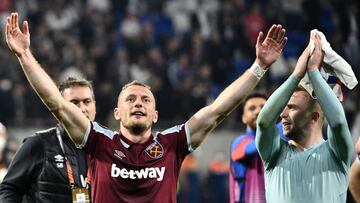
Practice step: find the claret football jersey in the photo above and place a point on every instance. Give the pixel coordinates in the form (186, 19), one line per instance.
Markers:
(123, 171)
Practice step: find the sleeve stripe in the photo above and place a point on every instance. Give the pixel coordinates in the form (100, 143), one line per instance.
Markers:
(108, 133)
(87, 132)
(188, 138)
(178, 129)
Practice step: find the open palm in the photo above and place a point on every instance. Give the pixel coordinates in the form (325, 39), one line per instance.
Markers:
(269, 50)
(17, 40)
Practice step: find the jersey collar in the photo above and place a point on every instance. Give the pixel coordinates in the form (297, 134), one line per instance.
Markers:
(128, 143)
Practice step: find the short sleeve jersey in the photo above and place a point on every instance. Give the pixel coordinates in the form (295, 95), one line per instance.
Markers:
(123, 171)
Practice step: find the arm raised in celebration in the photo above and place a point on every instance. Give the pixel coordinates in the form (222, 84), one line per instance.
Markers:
(70, 116)
(207, 118)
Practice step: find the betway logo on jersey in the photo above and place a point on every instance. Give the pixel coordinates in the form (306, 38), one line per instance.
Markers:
(145, 173)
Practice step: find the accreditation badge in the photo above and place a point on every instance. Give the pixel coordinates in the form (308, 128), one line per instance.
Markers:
(80, 195)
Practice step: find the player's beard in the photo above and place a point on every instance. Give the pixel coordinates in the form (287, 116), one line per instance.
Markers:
(136, 128)
(290, 131)
(296, 132)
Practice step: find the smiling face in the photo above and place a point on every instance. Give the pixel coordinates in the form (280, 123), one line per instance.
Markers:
(297, 115)
(136, 109)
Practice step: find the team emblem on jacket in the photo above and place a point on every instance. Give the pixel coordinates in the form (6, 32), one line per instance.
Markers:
(155, 150)
(59, 161)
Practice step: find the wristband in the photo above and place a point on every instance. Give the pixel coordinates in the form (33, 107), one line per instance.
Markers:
(257, 71)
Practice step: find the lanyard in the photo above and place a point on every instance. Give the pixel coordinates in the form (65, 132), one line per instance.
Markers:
(68, 166)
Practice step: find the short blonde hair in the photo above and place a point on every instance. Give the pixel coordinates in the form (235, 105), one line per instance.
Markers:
(134, 83)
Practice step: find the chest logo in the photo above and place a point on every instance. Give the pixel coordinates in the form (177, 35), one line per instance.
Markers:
(59, 158)
(155, 150)
(119, 154)
(59, 161)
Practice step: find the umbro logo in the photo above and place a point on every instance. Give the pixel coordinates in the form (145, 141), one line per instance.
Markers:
(59, 161)
(119, 154)
(59, 158)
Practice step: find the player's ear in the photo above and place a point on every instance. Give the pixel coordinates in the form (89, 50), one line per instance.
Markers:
(315, 116)
(117, 113)
(155, 117)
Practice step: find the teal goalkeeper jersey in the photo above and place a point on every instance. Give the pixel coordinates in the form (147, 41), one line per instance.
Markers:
(318, 174)
(314, 175)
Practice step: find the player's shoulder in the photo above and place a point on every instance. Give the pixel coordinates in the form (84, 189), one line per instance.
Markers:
(241, 138)
(98, 128)
(172, 130)
(36, 137)
(46, 131)
(36, 141)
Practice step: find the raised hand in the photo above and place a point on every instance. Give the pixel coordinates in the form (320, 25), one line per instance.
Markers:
(270, 48)
(17, 40)
(317, 55)
(301, 64)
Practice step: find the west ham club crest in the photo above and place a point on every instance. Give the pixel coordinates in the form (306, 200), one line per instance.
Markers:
(155, 150)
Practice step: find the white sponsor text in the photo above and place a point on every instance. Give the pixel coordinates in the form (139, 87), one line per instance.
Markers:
(151, 172)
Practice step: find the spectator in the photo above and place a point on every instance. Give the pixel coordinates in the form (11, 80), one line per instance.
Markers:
(48, 167)
(246, 176)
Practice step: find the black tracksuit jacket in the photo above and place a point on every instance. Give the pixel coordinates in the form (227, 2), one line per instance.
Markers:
(38, 170)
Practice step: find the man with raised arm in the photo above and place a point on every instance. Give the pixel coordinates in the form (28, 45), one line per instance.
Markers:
(135, 165)
(48, 166)
(306, 168)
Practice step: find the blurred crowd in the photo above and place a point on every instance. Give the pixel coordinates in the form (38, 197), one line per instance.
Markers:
(186, 50)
